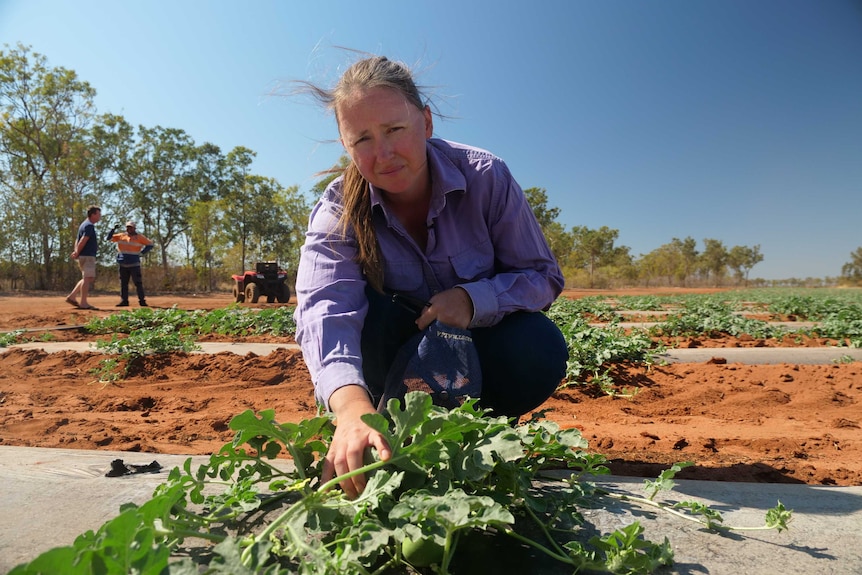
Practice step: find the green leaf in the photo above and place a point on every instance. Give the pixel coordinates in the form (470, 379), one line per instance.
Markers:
(665, 481)
(696, 508)
(778, 517)
(249, 425)
(452, 510)
(626, 551)
(417, 408)
(57, 560)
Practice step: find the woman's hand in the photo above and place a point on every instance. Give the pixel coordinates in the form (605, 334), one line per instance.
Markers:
(352, 439)
(452, 307)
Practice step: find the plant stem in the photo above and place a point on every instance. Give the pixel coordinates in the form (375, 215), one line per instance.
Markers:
(544, 529)
(185, 533)
(448, 548)
(359, 471)
(538, 546)
(658, 505)
(274, 526)
(291, 447)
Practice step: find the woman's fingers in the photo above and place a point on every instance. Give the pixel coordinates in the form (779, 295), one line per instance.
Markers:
(347, 454)
(452, 307)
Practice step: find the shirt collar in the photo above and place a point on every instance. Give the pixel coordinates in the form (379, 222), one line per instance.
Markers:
(445, 178)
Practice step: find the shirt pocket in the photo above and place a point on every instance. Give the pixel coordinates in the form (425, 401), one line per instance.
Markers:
(475, 262)
(403, 275)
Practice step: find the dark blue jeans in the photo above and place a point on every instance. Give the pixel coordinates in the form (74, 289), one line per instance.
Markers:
(523, 357)
(135, 275)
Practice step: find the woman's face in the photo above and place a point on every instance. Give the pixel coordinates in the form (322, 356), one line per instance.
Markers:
(385, 136)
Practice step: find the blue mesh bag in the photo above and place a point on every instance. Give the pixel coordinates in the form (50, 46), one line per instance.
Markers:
(440, 360)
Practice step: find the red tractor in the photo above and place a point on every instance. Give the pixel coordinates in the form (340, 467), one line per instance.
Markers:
(265, 280)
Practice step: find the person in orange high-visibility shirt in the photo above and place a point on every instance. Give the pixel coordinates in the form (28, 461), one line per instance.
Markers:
(130, 247)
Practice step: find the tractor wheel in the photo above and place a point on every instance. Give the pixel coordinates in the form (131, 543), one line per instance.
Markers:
(238, 295)
(252, 292)
(284, 294)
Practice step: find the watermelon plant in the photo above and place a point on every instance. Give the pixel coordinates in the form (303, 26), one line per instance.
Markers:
(713, 318)
(140, 342)
(593, 349)
(452, 475)
(11, 338)
(231, 320)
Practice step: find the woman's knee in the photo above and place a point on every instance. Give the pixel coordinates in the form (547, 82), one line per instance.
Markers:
(523, 361)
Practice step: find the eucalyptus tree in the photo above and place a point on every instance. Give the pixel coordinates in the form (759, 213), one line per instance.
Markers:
(687, 250)
(674, 261)
(244, 211)
(713, 260)
(210, 171)
(284, 232)
(538, 200)
(740, 259)
(851, 272)
(559, 240)
(259, 219)
(235, 200)
(593, 249)
(46, 171)
(663, 262)
(205, 217)
(327, 176)
(249, 215)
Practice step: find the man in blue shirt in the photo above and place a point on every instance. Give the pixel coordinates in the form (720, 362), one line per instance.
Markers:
(86, 249)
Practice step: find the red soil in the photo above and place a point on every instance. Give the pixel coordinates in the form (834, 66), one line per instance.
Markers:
(768, 423)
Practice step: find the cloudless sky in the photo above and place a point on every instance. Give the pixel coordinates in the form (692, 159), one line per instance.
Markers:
(735, 120)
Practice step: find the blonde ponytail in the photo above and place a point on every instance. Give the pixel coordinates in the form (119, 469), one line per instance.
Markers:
(357, 213)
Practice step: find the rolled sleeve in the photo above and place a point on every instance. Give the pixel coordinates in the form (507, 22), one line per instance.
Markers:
(485, 309)
(331, 305)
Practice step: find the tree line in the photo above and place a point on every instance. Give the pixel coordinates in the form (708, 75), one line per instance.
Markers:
(591, 257)
(205, 209)
(210, 215)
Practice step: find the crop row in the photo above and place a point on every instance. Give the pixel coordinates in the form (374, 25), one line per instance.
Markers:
(801, 304)
(593, 349)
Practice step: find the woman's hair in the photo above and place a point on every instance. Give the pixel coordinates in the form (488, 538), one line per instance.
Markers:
(372, 72)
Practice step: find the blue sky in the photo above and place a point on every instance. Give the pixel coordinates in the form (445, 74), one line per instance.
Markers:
(736, 120)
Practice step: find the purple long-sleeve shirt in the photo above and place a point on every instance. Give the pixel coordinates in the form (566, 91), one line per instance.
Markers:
(482, 237)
